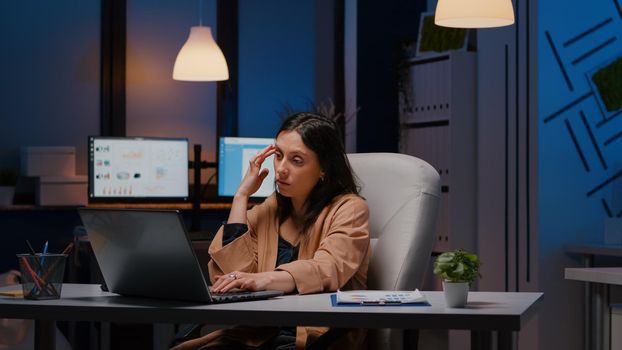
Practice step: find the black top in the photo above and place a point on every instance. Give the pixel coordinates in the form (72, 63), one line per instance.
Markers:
(286, 253)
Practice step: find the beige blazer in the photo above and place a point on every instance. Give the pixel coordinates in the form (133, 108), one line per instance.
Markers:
(333, 255)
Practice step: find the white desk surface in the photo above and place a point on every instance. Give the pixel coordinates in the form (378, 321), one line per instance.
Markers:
(485, 311)
(607, 275)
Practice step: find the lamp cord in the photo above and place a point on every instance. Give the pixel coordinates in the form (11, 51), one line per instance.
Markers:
(209, 180)
(200, 13)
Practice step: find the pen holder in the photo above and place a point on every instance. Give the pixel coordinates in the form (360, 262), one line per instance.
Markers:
(42, 275)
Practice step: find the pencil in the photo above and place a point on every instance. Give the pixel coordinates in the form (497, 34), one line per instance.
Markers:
(45, 251)
(39, 266)
(66, 251)
(40, 282)
(32, 250)
(42, 260)
(32, 273)
(68, 248)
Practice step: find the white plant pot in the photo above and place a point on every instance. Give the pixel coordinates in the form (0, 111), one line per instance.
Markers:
(6, 195)
(456, 293)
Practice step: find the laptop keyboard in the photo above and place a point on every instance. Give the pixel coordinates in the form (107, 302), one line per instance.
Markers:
(233, 296)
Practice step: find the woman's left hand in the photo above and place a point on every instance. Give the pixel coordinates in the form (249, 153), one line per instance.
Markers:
(242, 280)
(279, 280)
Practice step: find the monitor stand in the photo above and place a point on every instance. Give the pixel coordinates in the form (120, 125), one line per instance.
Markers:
(197, 165)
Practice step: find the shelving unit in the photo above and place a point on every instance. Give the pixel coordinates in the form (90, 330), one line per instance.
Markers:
(437, 117)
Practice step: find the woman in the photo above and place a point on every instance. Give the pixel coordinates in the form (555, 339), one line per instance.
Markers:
(310, 236)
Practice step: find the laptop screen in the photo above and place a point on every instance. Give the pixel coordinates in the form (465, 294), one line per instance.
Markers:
(233, 158)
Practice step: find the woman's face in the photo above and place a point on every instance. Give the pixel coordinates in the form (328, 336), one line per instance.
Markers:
(297, 168)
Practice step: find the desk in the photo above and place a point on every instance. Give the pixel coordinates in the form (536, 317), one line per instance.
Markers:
(588, 251)
(616, 323)
(599, 316)
(487, 312)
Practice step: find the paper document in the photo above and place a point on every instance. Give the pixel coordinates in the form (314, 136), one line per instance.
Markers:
(12, 293)
(380, 297)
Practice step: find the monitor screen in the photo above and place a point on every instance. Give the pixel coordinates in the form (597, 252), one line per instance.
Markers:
(138, 168)
(233, 158)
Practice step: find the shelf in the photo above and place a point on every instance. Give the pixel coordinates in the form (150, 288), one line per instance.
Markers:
(437, 124)
(177, 206)
(30, 207)
(428, 124)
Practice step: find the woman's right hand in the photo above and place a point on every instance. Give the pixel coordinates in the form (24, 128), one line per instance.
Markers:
(254, 177)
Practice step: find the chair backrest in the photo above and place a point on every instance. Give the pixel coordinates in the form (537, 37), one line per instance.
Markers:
(403, 195)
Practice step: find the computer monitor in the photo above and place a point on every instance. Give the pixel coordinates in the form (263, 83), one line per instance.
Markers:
(233, 157)
(138, 169)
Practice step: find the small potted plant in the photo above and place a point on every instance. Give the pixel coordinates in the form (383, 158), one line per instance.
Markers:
(8, 180)
(458, 269)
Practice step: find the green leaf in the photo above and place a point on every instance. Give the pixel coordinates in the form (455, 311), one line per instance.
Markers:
(457, 266)
(445, 258)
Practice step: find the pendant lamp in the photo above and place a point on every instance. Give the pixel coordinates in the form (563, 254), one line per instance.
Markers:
(474, 13)
(200, 59)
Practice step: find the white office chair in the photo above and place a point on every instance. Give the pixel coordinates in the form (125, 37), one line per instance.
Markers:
(403, 195)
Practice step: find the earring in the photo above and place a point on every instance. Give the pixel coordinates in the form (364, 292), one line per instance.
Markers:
(322, 178)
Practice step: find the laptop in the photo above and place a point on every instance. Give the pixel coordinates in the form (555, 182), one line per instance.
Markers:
(147, 253)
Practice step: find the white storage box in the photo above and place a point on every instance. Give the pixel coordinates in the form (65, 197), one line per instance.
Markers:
(62, 190)
(48, 161)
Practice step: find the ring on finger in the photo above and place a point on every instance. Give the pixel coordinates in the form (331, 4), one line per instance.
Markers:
(233, 276)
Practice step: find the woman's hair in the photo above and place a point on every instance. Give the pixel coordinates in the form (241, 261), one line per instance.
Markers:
(322, 136)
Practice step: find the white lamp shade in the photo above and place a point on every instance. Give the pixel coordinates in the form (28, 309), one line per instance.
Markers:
(200, 59)
(474, 13)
